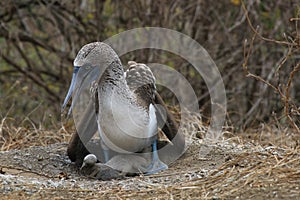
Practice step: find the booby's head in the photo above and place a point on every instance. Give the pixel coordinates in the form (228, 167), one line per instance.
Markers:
(93, 55)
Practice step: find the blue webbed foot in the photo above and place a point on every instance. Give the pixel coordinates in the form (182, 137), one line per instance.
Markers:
(156, 165)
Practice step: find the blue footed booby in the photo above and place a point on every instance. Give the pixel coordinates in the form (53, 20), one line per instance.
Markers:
(124, 109)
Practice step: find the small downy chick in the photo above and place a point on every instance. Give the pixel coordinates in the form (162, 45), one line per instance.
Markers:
(99, 171)
(117, 167)
(89, 161)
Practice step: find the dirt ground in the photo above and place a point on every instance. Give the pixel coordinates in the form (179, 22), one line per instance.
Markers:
(234, 168)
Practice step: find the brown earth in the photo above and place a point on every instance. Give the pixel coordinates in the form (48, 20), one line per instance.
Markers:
(235, 168)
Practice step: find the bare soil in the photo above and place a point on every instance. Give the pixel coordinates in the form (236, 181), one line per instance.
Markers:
(235, 168)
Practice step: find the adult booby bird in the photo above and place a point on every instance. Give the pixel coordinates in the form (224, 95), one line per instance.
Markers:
(124, 108)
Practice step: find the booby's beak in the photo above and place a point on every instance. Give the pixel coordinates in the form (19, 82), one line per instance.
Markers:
(71, 89)
(82, 166)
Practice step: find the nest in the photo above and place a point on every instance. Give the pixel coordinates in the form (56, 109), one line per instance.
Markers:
(261, 163)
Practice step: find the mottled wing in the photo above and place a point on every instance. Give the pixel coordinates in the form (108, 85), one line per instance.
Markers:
(141, 81)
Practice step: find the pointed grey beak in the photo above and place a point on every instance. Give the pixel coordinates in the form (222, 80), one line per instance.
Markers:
(71, 89)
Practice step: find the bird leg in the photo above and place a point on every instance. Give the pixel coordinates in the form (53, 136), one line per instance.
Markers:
(156, 165)
(106, 151)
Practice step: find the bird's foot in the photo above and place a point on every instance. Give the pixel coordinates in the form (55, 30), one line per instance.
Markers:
(155, 167)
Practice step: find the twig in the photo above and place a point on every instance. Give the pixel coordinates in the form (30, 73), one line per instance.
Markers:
(259, 35)
(283, 95)
(287, 91)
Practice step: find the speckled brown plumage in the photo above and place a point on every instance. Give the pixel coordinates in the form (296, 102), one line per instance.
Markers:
(141, 81)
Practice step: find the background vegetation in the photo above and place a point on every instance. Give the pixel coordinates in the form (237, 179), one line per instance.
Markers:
(255, 45)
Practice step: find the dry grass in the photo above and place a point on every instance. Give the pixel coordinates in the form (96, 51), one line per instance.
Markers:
(260, 163)
(258, 172)
(271, 173)
(249, 172)
(264, 163)
(27, 134)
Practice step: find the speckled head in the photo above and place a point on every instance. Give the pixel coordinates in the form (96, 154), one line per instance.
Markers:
(96, 54)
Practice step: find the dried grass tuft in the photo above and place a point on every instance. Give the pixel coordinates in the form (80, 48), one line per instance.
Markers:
(22, 136)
